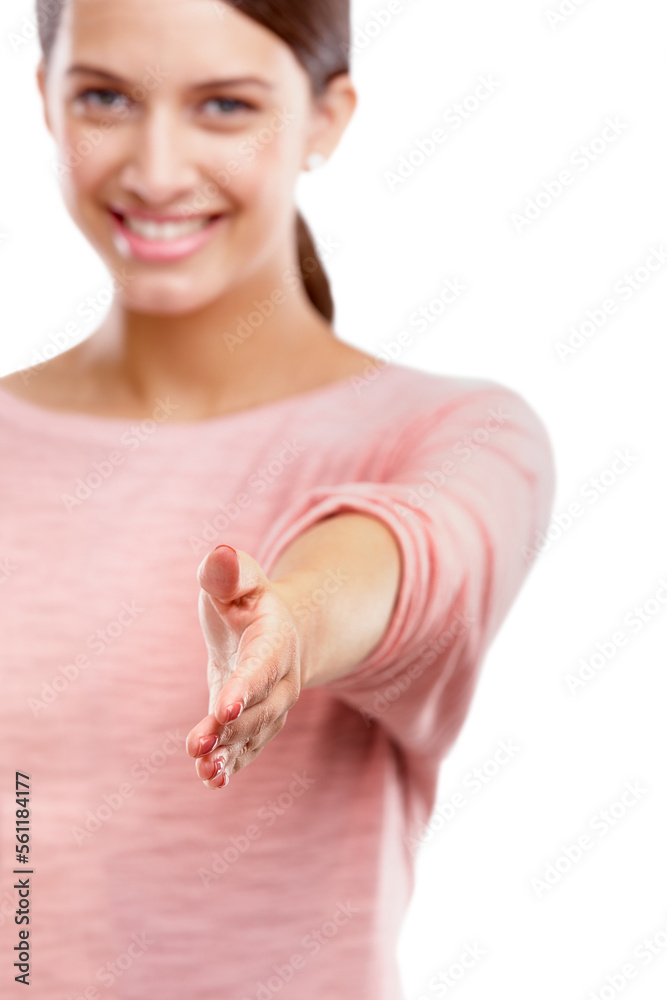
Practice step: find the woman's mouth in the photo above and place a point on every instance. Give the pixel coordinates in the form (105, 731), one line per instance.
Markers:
(171, 239)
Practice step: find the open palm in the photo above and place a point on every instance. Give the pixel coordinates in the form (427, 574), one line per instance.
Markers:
(253, 669)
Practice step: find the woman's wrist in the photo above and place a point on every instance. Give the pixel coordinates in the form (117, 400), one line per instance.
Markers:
(340, 581)
(299, 591)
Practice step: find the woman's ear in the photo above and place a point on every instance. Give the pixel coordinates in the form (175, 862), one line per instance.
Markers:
(332, 113)
(41, 83)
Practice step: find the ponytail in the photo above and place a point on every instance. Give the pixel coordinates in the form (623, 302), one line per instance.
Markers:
(312, 271)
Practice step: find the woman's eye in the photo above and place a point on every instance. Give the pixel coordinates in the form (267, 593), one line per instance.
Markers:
(227, 105)
(97, 98)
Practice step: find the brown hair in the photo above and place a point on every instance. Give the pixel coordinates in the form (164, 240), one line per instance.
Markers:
(318, 32)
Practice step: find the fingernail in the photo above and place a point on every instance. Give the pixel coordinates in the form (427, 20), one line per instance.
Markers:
(234, 711)
(207, 744)
(227, 547)
(219, 768)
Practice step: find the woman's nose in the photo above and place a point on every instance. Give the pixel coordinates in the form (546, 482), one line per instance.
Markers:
(160, 167)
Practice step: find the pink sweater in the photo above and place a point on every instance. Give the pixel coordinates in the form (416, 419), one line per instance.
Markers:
(294, 880)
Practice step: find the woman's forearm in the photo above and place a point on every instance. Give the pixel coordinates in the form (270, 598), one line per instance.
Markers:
(340, 579)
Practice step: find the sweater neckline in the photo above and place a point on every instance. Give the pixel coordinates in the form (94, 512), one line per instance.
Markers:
(70, 423)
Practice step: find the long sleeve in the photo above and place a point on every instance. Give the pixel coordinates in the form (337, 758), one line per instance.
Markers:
(469, 485)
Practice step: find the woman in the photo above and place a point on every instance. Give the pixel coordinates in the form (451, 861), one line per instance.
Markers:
(213, 477)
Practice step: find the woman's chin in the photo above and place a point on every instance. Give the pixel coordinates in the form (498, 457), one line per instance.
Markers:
(163, 295)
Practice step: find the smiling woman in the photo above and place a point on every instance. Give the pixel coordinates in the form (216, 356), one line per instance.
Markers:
(243, 556)
(100, 94)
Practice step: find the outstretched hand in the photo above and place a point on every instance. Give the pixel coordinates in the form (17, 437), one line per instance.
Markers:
(254, 673)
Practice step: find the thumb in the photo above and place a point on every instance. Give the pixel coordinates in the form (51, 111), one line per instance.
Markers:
(228, 575)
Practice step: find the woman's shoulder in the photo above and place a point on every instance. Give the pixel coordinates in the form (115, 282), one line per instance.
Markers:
(412, 404)
(15, 383)
(41, 385)
(420, 391)
(19, 386)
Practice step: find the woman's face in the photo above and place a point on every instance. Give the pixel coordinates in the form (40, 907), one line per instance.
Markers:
(145, 132)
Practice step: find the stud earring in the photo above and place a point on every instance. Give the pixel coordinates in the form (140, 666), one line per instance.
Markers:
(315, 160)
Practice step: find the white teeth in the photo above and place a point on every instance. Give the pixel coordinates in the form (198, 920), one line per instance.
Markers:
(164, 230)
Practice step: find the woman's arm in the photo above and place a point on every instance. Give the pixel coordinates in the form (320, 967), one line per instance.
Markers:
(340, 580)
(469, 488)
(327, 604)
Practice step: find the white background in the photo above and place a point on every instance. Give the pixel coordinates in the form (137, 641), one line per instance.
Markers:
(557, 83)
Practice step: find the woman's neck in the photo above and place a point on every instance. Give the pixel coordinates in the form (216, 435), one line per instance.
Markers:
(204, 368)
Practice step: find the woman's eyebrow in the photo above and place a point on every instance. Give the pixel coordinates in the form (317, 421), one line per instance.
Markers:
(231, 81)
(223, 82)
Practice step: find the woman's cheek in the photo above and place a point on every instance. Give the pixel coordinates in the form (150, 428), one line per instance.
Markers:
(91, 155)
(268, 177)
